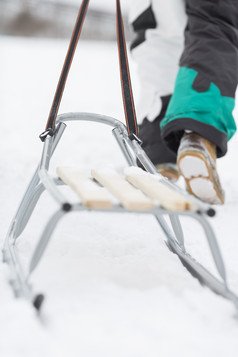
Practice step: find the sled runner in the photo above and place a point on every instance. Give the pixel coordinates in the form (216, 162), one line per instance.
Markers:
(144, 191)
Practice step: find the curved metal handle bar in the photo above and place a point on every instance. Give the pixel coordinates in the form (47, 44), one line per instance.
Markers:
(98, 118)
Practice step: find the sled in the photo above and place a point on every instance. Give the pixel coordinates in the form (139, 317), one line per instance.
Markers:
(137, 191)
(144, 199)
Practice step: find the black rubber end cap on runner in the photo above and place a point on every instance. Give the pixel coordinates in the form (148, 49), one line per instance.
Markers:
(211, 212)
(66, 207)
(37, 302)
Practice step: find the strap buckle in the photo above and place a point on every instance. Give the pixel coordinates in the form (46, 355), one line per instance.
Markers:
(133, 136)
(45, 133)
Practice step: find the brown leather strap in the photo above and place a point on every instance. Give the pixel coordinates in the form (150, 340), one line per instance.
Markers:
(124, 71)
(128, 100)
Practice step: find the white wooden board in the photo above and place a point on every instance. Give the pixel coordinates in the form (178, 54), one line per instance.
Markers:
(91, 194)
(150, 185)
(129, 197)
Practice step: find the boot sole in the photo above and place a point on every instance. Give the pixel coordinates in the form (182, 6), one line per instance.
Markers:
(200, 177)
(169, 171)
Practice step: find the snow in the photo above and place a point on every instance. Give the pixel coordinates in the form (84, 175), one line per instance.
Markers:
(112, 287)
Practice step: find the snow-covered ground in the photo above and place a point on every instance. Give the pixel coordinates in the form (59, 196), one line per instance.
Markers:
(112, 287)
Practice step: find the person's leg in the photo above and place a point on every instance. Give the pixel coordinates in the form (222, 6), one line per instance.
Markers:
(203, 98)
(158, 44)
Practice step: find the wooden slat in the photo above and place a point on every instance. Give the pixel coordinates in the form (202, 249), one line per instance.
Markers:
(129, 197)
(150, 185)
(89, 192)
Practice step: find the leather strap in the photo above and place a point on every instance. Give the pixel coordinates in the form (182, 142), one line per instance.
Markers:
(127, 95)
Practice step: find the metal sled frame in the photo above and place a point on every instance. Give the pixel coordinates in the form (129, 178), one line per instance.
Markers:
(131, 149)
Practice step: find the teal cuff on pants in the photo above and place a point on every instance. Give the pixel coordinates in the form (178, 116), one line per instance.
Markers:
(208, 107)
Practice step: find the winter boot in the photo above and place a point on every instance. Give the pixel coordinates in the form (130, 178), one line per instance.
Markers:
(154, 146)
(196, 161)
